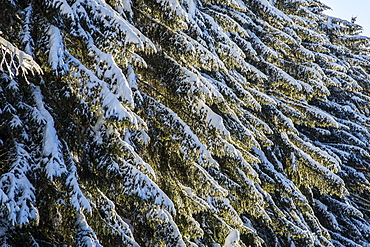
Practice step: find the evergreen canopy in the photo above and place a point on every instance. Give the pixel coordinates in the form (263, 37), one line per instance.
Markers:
(183, 123)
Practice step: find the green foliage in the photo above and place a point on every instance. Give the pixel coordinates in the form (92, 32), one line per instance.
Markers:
(183, 123)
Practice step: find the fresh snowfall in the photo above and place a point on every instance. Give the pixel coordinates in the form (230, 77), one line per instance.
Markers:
(200, 123)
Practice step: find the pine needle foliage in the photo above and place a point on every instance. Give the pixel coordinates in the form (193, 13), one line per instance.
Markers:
(183, 123)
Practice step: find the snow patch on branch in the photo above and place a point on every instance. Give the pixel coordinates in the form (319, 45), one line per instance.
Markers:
(17, 193)
(56, 50)
(15, 61)
(53, 157)
(232, 239)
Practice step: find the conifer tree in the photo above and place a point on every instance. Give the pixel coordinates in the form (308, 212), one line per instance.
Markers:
(183, 123)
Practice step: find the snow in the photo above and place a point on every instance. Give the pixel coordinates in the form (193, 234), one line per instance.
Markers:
(97, 128)
(283, 79)
(214, 188)
(15, 122)
(174, 7)
(232, 239)
(13, 85)
(118, 82)
(27, 38)
(127, 7)
(85, 235)
(56, 50)
(78, 199)
(318, 172)
(188, 191)
(17, 192)
(26, 62)
(118, 225)
(131, 78)
(53, 157)
(135, 157)
(168, 225)
(211, 118)
(110, 18)
(139, 184)
(63, 7)
(261, 97)
(270, 10)
(112, 106)
(228, 108)
(191, 145)
(191, 8)
(329, 217)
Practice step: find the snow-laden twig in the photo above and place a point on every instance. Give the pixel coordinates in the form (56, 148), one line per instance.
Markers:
(15, 61)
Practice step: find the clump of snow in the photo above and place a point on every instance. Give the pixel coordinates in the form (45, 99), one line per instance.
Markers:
(53, 157)
(19, 62)
(16, 192)
(212, 118)
(85, 235)
(232, 239)
(56, 50)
